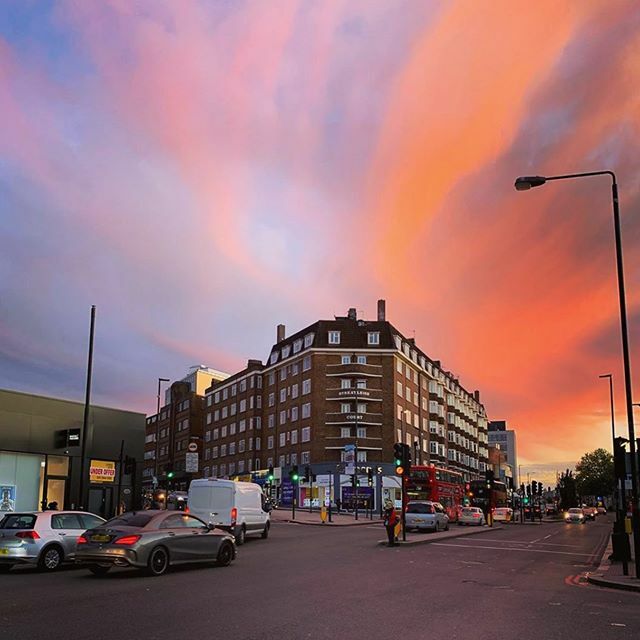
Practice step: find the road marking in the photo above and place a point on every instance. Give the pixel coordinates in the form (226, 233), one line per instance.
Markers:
(464, 546)
(548, 544)
(618, 624)
(547, 537)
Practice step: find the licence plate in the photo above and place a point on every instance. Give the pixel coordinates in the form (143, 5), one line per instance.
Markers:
(4, 552)
(100, 538)
(419, 520)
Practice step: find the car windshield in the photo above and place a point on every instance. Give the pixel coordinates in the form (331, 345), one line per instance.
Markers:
(18, 521)
(131, 519)
(575, 510)
(469, 511)
(417, 507)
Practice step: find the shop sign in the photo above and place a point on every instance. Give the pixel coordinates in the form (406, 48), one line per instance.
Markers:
(102, 471)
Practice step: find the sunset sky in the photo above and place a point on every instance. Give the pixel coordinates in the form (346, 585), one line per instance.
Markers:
(202, 171)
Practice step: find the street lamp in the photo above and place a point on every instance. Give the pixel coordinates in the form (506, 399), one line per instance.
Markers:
(525, 183)
(160, 381)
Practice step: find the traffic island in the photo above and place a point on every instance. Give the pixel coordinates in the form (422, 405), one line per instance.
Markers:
(427, 538)
(609, 574)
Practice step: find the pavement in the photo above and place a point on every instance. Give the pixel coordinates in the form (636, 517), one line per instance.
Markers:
(302, 516)
(610, 574)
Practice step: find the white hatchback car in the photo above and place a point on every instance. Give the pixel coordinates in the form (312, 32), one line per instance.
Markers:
(503, 514)
(471, 516)
(42, 538)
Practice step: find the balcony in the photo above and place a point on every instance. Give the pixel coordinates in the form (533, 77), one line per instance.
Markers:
(361, 419)
(354, 393)
(354, 369)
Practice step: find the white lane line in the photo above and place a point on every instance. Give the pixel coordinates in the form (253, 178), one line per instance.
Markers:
(547, 544)
(534, 541)
(547, 537)
(528, 550)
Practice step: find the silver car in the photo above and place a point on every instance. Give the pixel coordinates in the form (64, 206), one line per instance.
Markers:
(426, 516)
(153, 540)
(471, 516)
(42, 538)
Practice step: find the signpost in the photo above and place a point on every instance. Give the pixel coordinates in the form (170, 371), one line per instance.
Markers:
(191, 460)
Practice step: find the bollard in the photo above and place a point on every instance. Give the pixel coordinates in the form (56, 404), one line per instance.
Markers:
(323, 514)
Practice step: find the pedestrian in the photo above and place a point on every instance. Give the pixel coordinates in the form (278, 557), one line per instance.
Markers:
(390, 521)
(52, 506)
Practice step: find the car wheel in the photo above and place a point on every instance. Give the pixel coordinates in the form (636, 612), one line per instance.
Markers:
(437, 529)
(241, 536)
(100, 569)
(50, 559)
(158, 562)
(265, 533)
(225, 555)
(446, 526)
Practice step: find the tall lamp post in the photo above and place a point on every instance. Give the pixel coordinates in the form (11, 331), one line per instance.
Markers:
(160, 381)
(613, 438)
(525, 183)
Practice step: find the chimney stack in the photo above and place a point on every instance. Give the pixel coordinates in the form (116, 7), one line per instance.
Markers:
(382, 314)
(353, 314)
(280, 333)
(476, 395)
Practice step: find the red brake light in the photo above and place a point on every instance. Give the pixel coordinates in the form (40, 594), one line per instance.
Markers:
(127, 540)
(28, 535)
(82, 540)
(234, 515)
(186, 509)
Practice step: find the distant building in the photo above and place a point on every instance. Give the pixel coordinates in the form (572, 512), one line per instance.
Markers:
(499, 462)
(506, 438)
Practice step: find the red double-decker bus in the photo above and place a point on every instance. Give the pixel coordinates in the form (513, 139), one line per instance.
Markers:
(436, 484)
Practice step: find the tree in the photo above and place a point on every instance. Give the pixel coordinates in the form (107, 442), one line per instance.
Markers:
(567, 490)
(594, 474)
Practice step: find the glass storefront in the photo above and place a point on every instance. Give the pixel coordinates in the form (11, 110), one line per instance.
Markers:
(28, 480)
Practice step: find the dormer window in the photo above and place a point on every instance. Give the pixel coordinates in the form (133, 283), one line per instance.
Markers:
(297, 346)
(286, 351)
(334, 337)
(274, 357)
(373, 337)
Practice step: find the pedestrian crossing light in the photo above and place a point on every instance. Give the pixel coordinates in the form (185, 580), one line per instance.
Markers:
(170, 475)
(293, 474)
(397, 458)
(270, 476)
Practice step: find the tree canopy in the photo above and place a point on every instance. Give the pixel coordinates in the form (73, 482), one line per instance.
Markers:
(567, 490)
(594, 474)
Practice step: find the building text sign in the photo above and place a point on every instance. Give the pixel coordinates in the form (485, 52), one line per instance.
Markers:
(102, 471)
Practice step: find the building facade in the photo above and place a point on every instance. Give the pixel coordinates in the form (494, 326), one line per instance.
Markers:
(506, 438)
(40, 449)
(338, 384)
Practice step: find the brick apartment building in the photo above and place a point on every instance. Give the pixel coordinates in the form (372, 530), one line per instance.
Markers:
(335, 383)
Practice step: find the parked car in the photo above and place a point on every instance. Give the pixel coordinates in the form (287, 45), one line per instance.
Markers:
(503, 514)
(44, 539)
(590, 513)
(237, 507)
(426, 516)
(602, 511)
(575, 514)
(153, 540)
(471, 516)
(551, 510)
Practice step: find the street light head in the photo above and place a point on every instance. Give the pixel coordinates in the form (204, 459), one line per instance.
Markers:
(524, 183)
(605, 375)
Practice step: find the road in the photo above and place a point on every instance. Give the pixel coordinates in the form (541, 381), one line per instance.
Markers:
(522, 581)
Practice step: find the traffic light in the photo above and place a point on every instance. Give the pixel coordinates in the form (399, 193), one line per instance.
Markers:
(529, 490)
(398, 455)
(307, 473)
(619, 455)
(539, 488)
(534, 487)
(294, 476)
(370, 477)
(270, 475)
(522, 489)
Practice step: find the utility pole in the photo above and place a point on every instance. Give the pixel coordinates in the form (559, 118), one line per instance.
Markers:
(85, 420)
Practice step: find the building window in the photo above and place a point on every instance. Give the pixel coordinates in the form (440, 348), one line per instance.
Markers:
(216, 415)
(243, 385)
(273, 358)
(305, 457)
(283, 417)
(334, 337)
(257, 444)
(306, 386)
(433, 447)
(216, 434)
(271, 420)
(243, 405)
(207, 454)
(345, 432)
(345, 359)
(399, 389)
(240, 466)
(308, 340)
(225, 393)
(232, 468)
(373, 337)
(272, 399)
(294, 414)
(283, 439)
(283, 373)
(223, 450)
(361, 384)
(306, 363)
(209, 400)
(258, 402)
(306, 434)
(345, 407)
(294, 390)
(362, 360)
(232, 429)
(216, 397)
(297, 346)
(270, 442)
(241, 446)
(283, 395)
(223, 432)
(361, 407)
(362, 432)
(286, 351)
(294, 436)
(294, 458)
(362, 456)
(225, 412)
(207, 436)
(345, 383)
(242, 426)
(306, 410)
(214, 452)
(281, 461)
(234, 389)
(209, 418)
(233, 409)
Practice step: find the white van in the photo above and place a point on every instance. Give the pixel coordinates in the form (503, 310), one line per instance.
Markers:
(237, 507)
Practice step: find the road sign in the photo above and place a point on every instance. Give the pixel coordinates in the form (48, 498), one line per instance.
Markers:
(193, 447)
(191, 462)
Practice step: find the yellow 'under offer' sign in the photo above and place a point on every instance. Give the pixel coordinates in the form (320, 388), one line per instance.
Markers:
(102, 471)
